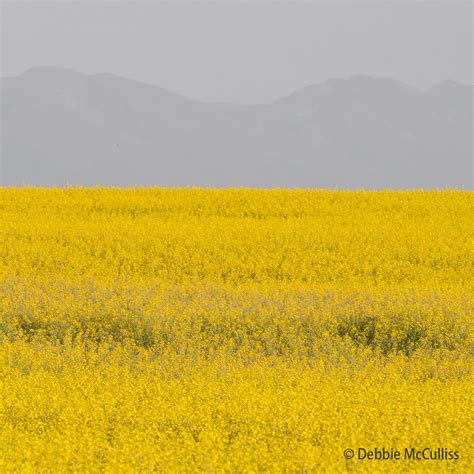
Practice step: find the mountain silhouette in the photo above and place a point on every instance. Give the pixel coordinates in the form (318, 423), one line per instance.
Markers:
(62, 127)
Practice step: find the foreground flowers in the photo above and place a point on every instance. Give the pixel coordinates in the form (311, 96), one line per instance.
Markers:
(236, 330)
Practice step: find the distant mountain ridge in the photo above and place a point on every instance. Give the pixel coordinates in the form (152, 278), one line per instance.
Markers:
(62, 127)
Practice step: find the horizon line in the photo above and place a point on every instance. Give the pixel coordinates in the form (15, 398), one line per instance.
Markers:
(354, 76)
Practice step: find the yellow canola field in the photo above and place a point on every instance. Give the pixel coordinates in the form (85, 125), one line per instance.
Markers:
(185, 330)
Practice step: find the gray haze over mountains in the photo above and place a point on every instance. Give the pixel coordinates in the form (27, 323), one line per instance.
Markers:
(62, 127)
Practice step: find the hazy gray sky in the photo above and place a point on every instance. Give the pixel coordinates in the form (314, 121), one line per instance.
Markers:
(243, 52)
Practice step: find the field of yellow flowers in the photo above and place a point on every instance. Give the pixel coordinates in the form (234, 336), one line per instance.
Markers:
(184, 330)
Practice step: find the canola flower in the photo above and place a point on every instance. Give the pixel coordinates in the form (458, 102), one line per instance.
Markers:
(238, 330)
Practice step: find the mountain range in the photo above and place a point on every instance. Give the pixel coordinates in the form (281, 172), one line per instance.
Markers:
(61, 127)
